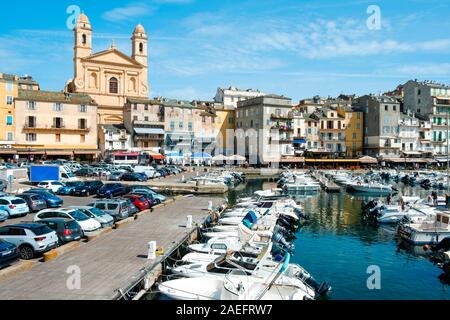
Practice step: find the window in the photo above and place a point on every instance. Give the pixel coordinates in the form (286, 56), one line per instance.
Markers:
(83, 39)
(146, 118)
(135, 106)
(418, 92)
(31, 137)
(141, 47)
(58, 122)
(180, 125)
(57, 107)
(9, 120)
(9, 100)
(386, 108)
(31, 105)
(122, 145)
(358, 125)
(230, 120)
(172, 125)
(394, 108)
(58, 137)
(190, 126)
(82, 108)
(203, 119)
(113, 85)
(82, 123)
(31, 122)
(146, 107)
(135, 118)
(10, 136)
(358, 116)
(354, 136)
(82, 138)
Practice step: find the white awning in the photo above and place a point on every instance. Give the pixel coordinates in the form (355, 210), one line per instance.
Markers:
(149, 131)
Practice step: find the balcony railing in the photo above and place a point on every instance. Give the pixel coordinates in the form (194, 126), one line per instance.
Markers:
(288, 116)
(282, 128)
(54, 128)
(138, 123)
(148, 138)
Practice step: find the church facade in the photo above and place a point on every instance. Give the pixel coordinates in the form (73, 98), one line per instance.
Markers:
(110, 77)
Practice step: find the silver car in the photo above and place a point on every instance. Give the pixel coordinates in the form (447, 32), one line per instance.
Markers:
(105, 219)
(30, 238)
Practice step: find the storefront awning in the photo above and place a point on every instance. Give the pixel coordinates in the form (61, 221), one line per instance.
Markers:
(126, 154)
(86, 152)
(149, 131)
(59, 153)
(299, 141)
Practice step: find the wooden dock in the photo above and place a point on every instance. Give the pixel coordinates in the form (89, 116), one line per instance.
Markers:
(113, 263)
(326, 184)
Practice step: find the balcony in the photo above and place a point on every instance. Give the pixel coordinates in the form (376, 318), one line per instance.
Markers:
(148, 138)
(282, 128)
(143, 123)
(54, 128)
(289, 116)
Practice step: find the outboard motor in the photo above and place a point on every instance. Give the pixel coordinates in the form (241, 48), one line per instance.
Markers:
(286, 224)
(299, 213)
(369, 205)
(278, 238)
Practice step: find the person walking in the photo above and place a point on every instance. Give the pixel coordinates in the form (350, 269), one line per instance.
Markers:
(388, 200)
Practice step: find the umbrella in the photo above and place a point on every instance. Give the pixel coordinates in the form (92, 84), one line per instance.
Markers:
(219, 157)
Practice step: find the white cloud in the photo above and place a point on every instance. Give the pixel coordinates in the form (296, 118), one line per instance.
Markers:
(430, 69)
(133, 10)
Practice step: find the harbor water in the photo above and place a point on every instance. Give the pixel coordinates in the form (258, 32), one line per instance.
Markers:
(337, 246)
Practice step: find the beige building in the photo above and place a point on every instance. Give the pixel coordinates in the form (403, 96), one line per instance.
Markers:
(144, 119)
(56, 124)
(109, 76)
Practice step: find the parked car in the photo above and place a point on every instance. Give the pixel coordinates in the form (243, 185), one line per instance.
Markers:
(117, 208)
(139, 201)
(30, 238)
(51, 200)
(85, 172)
(142, 175)
(66, 229)
(144, 190)
(52, 185)
(132, 209)
(111, 190)
(14, 206)
(69, 187)
(105, 219)
(3, 185)
(133, 177)
(9, 253)
(162, 172)
(149, 197)
(87, 188)
(115, 176)
(34, 201)
(88, 225)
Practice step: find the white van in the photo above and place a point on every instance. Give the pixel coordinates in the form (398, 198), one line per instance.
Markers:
(150, 172)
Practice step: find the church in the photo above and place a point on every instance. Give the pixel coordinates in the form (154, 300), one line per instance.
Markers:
(109, 76)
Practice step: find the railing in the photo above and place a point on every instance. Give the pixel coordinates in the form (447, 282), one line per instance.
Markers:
(282, 128)
(27, 127)
(289, 116)
(144, 138)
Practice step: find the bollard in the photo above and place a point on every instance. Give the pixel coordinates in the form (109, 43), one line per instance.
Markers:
(189, 222)
(151, 250)
(183, 178)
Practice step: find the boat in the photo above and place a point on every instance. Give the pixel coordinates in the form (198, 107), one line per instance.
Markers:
(426, 232)
(371, 187)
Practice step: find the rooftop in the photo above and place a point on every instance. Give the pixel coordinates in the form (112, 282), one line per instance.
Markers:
(57, 97)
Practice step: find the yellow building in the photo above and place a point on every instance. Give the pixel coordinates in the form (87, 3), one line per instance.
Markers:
(224, 127)
(109, 76)
(56, 125)
(8, 92)
(354, 134)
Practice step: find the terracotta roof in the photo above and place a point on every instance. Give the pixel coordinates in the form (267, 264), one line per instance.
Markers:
(59, 97)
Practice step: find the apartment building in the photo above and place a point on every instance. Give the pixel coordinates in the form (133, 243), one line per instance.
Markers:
(229, 97)
(331, 131)
(265, 128)
(224, 129)
(56, 125)
(8, 92)
(113, 138)
(144, 119)
(381, 125)
(354, 137)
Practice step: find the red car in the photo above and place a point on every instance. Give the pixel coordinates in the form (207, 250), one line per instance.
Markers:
(139, 201)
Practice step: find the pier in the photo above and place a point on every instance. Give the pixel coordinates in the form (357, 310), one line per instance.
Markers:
(113, 265)
(327, 184)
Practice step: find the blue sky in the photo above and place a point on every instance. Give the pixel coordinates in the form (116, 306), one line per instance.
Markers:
(298, 48)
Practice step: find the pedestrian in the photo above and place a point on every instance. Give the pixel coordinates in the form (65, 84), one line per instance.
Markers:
(388, 200)
(434, 195)
(447, 201)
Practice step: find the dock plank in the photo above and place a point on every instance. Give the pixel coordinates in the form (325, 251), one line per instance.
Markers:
(111, 261)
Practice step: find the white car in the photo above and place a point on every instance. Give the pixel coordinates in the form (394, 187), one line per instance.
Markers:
(14, 206)
(88, 225)
(51, 185)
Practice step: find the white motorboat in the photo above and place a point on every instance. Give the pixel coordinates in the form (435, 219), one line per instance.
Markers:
(370, 187)
(427, 232)
(416, 213)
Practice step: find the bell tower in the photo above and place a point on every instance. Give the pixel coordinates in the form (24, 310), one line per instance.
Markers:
(83, 41)
(139, 45)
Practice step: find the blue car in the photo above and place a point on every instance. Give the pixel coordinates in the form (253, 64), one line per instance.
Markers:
(146, 190)
(51, 200)
(111, 190)
(8, 253)
(69, 188)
